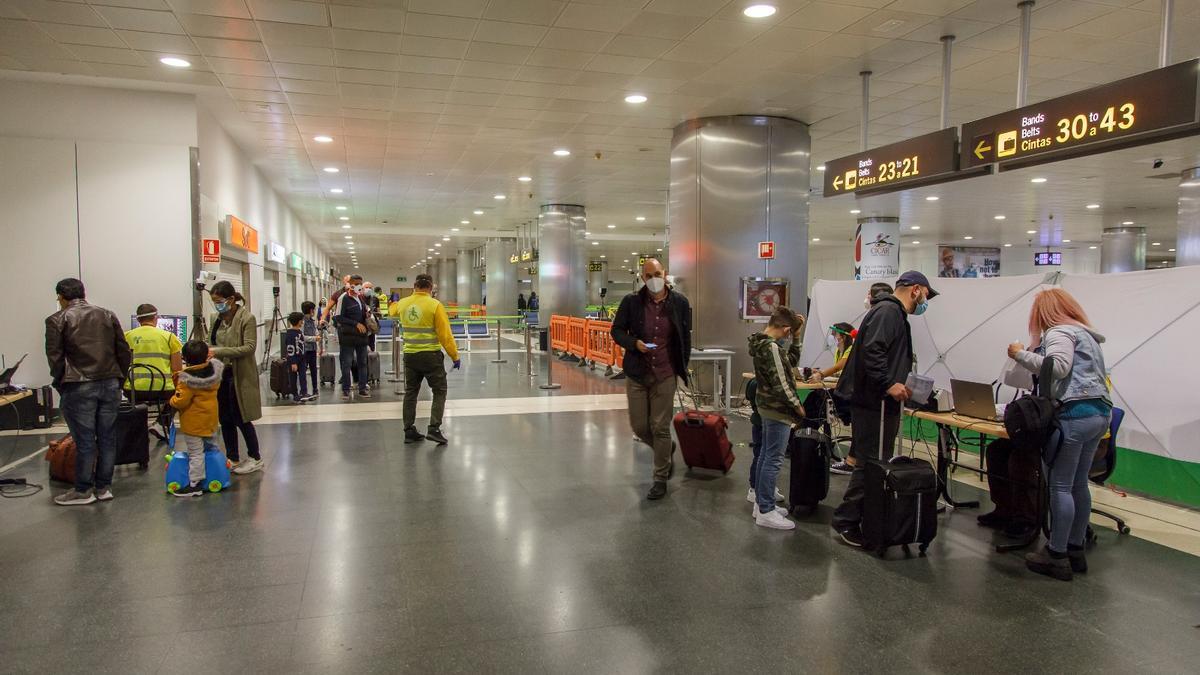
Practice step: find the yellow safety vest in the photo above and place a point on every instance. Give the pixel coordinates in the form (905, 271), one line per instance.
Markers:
(153, 347)
(838, 355)
(425, 325)
(383, 303)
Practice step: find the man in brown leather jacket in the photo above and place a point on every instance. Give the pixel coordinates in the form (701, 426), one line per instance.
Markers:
(88, 358)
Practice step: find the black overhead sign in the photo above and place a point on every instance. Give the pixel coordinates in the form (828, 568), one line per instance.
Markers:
(1141, 109)
(916, 161)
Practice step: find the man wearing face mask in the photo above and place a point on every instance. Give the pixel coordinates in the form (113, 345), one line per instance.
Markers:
(351, 320)
(654, 327)
(879, 364)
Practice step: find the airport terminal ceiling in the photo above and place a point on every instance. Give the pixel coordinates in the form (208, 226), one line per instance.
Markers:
(434, 108)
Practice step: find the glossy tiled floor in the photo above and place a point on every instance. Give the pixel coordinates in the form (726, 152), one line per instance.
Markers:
(525, 546)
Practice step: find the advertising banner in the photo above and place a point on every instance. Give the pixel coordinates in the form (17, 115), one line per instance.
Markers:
(968, 262)
(877, 249)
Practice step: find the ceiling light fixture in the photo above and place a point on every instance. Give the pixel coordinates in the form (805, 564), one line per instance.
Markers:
(1170, 250)
(1008, 246)
(998, 217)
(603, 256)
(1127, 222)
(499, 197)
(635, 98)
(524, 179)
(611, 226)
(454, 229)
(445, 238)
(1093, 248)
(759, 11)
(349, 236)
(463, 222)
(343, 217)
(1093, 206)
(916, 242)
(820, 167)
(640, 218)
(175, 62)
(1037, 180)
(323, 139)
(1066, 241)
(345, 227)
(332, 169)
(341, 208)
(855, 212)
(336, 191)
(429, 249)
(1156, 243)
(438, 245)
(1030, 231)
(915, 227)
(932, 198)
(816, 239)
(968, 237)
(595, 243)
(562, 152)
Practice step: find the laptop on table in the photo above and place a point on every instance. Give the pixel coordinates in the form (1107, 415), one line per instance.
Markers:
(974, 399)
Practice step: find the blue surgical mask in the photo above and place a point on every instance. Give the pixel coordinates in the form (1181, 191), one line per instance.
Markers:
(920, 308)
(221, 307)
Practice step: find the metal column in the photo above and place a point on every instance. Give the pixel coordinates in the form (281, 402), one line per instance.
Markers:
(1187, 242)
(947, 48)
(562, 267)
(448, 279)
(1023, 53)
(1164, 33)
(1122, 249)
(463, 272)
(501, 277)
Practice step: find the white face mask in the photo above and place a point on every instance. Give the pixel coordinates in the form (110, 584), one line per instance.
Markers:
(832, 342)
(656, 284)
(867, 303)
(358, 289)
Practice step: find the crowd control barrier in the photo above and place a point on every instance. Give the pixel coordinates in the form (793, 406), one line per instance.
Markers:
(588, 340)
(577, 337)
(558, 333)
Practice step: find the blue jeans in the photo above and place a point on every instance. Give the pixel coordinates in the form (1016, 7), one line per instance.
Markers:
(90, 409)
(1070, 498)
(755, 447)
(354, 357)
(775, 437)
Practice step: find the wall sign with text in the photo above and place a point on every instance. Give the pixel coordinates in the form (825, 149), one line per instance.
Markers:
(909, 163)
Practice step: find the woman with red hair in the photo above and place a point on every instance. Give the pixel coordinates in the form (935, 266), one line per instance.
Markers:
(1059, 330)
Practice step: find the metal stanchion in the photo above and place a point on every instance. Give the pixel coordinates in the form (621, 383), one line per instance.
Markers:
(550, 383)
(529, 368)
(397, 368)
(498, 359)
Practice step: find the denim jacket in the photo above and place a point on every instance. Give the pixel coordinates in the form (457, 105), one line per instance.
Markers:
(1079, 371)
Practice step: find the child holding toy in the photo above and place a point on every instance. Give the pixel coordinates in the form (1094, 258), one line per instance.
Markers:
(196, 400)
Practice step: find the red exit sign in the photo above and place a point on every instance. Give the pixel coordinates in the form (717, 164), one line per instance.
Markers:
(766, 250)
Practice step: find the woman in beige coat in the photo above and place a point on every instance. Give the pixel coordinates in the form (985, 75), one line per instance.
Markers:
(233, 340)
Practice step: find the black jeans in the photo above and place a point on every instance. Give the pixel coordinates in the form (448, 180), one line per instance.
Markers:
(424, 366)
(230, 414)
(310, 364)
(865, 444)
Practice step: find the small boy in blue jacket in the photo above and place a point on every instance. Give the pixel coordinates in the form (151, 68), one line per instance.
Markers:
(293, 350)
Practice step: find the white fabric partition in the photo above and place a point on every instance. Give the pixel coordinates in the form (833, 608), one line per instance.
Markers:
(1150, 320)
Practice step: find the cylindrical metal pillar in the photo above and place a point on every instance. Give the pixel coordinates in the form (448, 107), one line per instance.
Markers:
(463, 272)
(947, 49)
(597, 280)
(866, 110)
(448, 280)
(736, 181)
(475, 279)
(1023, 50)
(1187, 243)
(1164, 33)
(561, 280)
(435, 271)
(501, 277)
(1122, 249)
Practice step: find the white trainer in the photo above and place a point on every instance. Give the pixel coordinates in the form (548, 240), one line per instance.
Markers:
(778, 509)
(774, 520)
(248, 466)
(752, 497)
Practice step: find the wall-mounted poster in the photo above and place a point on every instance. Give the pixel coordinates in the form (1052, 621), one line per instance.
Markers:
(877, 249)
(968, 262)
(761, 296)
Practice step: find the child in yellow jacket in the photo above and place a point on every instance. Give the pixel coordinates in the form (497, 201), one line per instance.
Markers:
(196, 400)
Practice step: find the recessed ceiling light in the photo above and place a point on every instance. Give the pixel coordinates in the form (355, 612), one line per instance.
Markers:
(820, 167)
(633, 253)
(915, 243)
(611, 226)
(345, 227)
(343, 217)
(331, 169)
(341, 208)
(855, 211)
(595, 243)
(816, 239)
(1066, 241)
(524, 179)
(562, 152)
(429, 249)
(968, 237)
(1127, 222)
(932, 198)
(660, 250)
(640, 218)
(462, 222)
(759, 11)
(348, 236)
(445, 238)
(1093, 206)
(1156, 243)
(323, 139)
(454, 229)
(175, 62)
(635, 98)
(625, 260)
(1037, 180)
(915, 227)
(1030, 231)
(998, 217)
(1008, 246)
(336, 191)
(603, 256)
(437, 245)
(478, 212)
(499, 197)
(1170, 250)
(1093, 248)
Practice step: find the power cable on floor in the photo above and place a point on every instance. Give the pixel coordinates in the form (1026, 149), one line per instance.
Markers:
(13, 488)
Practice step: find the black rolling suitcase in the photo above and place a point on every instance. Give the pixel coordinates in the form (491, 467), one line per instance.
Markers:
(809, 479)
(281, 380)
(133, 433)
(900, 502)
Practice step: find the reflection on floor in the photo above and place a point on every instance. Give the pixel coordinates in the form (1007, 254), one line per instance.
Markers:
(525, 546)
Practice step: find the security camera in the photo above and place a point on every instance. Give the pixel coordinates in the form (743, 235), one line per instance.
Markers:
(1158, 163)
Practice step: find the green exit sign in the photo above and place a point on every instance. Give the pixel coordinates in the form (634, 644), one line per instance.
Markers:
(401, 279)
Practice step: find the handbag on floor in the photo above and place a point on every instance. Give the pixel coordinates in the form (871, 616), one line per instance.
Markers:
(61, 456)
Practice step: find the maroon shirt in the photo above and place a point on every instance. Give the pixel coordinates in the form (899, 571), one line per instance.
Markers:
(658, 331)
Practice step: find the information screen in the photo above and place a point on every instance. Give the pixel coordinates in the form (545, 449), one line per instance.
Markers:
(908, 163)
(172, 323)
(1047, 258)
(1140, 109)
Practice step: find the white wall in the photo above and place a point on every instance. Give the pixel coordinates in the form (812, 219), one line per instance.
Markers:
(122, 157)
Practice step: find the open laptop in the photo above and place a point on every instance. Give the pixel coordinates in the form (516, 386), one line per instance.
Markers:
(974, 399)
(7, 375)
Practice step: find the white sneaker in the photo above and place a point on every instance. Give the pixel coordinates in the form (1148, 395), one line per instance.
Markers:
(248, 466)
(774, 520)
(752, 497)
(778, 509)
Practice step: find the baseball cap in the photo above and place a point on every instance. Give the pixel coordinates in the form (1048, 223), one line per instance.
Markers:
(915, 278)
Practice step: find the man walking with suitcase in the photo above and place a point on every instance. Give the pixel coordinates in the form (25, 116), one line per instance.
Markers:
(88, 358)
(875, 374)
(654, 327)
(426, 333)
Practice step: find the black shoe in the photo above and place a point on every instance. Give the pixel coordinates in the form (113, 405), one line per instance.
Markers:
(993, 520)
(411, 435)
(435, 434)
(364, 393)
(345, 396)
(1078, 560)
(671, 467)
(658, 490)
(193, 490)
(1049, 563)
(851, 536)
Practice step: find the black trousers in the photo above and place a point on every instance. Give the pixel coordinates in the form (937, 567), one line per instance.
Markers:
(865, 444)
(230, 415)
(424, 366)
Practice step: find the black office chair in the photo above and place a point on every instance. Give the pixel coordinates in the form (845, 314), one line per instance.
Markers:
(1103, 465)
(156, 398)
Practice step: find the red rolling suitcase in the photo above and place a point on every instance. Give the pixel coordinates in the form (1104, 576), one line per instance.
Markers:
(703, 441)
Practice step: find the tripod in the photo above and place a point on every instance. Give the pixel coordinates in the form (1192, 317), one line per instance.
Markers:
(272, 327)
(199, 326)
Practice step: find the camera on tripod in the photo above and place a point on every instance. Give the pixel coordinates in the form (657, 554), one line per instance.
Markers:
(275, 291)
(203, 279)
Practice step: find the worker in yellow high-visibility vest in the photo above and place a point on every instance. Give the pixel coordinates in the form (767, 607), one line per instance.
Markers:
(157, 348)
(426, 331)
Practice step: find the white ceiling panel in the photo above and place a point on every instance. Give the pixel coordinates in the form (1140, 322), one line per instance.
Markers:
(141, 19)
(83, 35)
(58, 12)
(290, 11)
(229, 8)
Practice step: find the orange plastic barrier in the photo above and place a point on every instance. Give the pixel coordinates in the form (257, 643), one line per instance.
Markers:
(577, 336)
(599, 342)
(558, 333)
